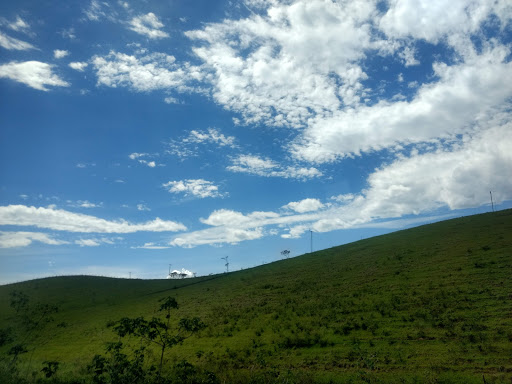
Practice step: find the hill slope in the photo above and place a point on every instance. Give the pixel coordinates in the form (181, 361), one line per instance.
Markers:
(431, 304)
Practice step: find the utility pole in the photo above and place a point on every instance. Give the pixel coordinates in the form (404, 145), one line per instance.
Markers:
(311, 233)
(492, 203)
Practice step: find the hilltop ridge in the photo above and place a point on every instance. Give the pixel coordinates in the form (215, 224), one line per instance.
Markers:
(428, 302)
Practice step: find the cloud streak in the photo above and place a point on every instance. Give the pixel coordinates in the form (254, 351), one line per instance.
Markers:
(61, 220)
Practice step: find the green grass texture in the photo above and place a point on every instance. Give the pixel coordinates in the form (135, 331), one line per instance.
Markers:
(431, 304)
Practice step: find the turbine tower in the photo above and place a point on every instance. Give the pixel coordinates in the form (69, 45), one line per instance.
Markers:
(227, 263)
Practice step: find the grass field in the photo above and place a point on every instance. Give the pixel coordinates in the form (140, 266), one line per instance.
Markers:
(432, 304)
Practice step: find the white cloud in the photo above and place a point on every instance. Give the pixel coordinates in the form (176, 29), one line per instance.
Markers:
(68, 33)
(344, 198)
(189, 146)
(217, 235)
(139, 158)
(152, 246)
(60, 53)
(83, 204)
(450, 106)
(295, 232)
(78, 66)
(255, 165)
(61, 220)
(136, 155)
(295, 62)
(456, 176)
(212, 136)
(143, 207)
(142, 74)
(172, 100)
(24, 239)
(96, 242)
(35, 74)
(148, 25)
(12, 43)
(226, 217)
(306, 205)
(19, 25)
(96, 11)
(195, 187)
(87, 243)
(435, 19)
(407, 55)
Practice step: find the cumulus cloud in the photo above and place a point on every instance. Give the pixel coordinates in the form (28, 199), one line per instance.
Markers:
(143, 73)
(280, 68)
(61, 220)
(306, 205)
(255, 165)
(78, 66)
(35, 74)
(193, 187)
(12, 43)
(24, 239)
(148, 25)
(436, 19)
(60, 53)
(450, 106)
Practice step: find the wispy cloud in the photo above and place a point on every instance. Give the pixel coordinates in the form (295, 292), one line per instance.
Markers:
(12, 43)
(24, 239)
(96, 242)
(255, 165)
(97, 11)
(189, 146)
(19, 25)
(140, 157)
(61, 220)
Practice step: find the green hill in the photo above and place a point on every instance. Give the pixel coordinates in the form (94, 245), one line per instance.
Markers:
(432, 304)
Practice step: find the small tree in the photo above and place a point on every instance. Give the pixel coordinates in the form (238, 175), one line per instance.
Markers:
(285, 253)
(157, 331)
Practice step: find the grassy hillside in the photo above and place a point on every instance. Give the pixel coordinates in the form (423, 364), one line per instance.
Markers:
(428, 304)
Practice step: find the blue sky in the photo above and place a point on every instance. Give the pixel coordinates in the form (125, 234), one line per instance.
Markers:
(134, 135)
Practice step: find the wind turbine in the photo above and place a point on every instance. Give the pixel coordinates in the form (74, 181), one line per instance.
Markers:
(227, 263)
